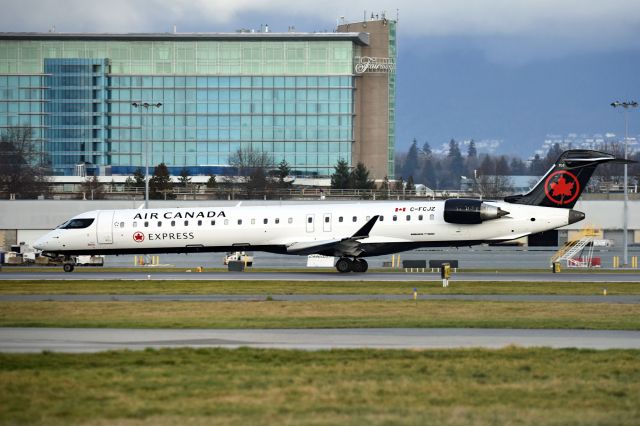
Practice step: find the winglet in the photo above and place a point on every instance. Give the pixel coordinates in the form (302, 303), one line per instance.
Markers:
(364, 231)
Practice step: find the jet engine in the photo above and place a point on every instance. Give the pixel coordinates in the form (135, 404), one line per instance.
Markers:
(469, 212)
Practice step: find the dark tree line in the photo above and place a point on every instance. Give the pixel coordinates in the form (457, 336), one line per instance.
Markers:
(446, 171)
(23, 167)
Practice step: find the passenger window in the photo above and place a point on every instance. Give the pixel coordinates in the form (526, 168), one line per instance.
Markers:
(146, 224)
(239, 221)
(310, 219)
(253, 221)
(186, 223)
(226, 221)
(431, 217)
(408, 217)
(326, 219)
(355, 218)
(419, 217)
(265, 221)
(395, 218)
(277, 221)
(199, 223)
(173, 223)
(290, 220)
(121, 224)
(159, 224)
(368, 217)
(381, 218)
(213, 222)
(340, 219)
(135, 224)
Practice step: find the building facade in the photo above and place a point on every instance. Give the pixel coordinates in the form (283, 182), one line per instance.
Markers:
(302, 97)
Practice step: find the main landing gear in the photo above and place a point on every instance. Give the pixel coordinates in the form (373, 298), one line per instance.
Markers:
(344, 265)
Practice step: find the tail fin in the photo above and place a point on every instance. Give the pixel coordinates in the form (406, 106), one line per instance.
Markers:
(565, 181)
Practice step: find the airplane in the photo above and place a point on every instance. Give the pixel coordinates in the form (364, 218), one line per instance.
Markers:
(349, 231)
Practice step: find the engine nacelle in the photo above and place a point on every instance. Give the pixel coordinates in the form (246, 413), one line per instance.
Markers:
(469, 212)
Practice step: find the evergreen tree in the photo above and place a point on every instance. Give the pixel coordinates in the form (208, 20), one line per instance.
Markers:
(552, 156)
(410, 186)
(23, 169)
(138, 177)
(518, 167)
(502, 167)
(185, 177)
(429, 177)
(456, 165)
(536, 168)
(341, 178)
(472, 152)
(487, 167)
(212, 183)
(360, 178)
(282, 172)
(411, 162)
(426, 148)
(399, 186)
(160, 185)
(384, 188)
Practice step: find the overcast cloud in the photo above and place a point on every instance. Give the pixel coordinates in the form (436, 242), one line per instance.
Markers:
(539, 25)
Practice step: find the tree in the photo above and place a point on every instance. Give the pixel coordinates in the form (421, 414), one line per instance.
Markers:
(456, 165)
(399, 186)
(360, 178)
(536, 168)
(139, 177)
(185, 177)
(255, 167)
(429, 176)
(92, 188)
(426, 148)
(472, 151)
(160, 185)
(552, 155)
(23, 168)
(212, 183)
(411, 162)
(410, 187)
(502, 167)
(281, 173)
(384, 188)
(517, 167)
(341, 178)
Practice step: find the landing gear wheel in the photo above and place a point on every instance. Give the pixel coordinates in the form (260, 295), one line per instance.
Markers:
(360, 265)
(68, 267)
(344, 265)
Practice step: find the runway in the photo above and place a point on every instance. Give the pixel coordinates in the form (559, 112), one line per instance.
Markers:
(625, 299)
(150, 274)
(96, 340)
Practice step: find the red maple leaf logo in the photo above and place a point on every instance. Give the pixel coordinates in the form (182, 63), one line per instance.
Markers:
(562, 187)
(138, 237)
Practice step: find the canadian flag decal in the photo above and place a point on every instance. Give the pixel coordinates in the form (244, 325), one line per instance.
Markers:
(401, 209)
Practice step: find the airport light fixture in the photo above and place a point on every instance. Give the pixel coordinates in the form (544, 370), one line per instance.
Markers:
(626, 106)
(146, 106)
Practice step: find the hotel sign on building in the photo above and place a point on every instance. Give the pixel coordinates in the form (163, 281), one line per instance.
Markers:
(295, 96)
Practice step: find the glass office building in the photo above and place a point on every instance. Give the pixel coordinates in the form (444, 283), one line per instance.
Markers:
(209, 95)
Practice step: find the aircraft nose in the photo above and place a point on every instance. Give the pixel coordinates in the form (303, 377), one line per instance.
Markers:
(41, 243)
(575, 216)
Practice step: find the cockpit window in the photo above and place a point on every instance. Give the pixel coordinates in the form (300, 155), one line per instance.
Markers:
(77, 224)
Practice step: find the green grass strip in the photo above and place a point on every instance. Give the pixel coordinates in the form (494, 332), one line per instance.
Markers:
(346, 387)
(324, 314)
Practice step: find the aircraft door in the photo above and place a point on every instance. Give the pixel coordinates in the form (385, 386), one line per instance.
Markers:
(104, 227)
(326, 222)
(310, 224)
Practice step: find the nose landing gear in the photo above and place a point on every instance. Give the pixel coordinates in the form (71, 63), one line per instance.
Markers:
(344, 265)
(69, 264)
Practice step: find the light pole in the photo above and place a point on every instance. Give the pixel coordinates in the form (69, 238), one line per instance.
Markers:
(626, 106)
(146, 106)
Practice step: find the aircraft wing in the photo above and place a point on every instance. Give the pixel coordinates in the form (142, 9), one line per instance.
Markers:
(349, 246)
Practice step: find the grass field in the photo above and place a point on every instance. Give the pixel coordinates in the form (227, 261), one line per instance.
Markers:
(310, 287)
(364, 387)
(324, 314)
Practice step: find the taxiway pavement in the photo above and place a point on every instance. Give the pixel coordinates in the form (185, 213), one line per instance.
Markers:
(96, 340)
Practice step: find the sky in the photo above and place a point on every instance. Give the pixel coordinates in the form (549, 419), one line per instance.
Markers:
(507, 71)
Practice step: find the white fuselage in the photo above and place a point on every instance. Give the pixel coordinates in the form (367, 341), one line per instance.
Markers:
(402, 225)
